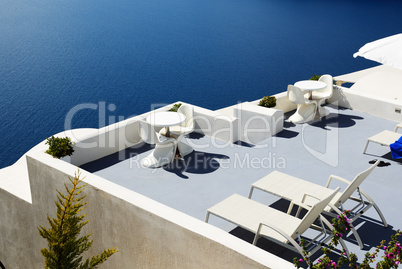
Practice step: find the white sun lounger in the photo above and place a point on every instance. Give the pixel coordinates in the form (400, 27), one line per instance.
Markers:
(294, 189)
(265, 221)
(385, 138)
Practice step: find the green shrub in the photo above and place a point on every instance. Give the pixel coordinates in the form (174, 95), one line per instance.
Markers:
(175, 107)
(268, 101)
(315, 77)
(60, 146)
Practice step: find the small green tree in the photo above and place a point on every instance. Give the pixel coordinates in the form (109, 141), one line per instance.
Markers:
(65, 247)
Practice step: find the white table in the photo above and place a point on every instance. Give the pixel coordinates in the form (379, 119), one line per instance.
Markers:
(310, 86)
(164, 151)
(165, 119)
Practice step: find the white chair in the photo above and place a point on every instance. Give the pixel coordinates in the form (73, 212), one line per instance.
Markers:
(306, 109)
(188, 125)
(164, 151)
(276, 225)
(321, 95)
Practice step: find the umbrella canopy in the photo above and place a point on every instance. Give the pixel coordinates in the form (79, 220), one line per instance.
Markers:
(387, 51)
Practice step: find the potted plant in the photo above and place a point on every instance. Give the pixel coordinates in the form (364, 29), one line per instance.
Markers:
(315, 77)
(60, 147)
(268, 101)
(175, 107)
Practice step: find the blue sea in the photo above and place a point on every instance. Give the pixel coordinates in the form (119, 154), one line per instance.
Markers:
(129, 55)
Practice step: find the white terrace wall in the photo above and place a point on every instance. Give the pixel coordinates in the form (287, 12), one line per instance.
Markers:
(255, 123)
(215, 124)
(367, 103)
(105, 141)
(148, 234)
(97, 143)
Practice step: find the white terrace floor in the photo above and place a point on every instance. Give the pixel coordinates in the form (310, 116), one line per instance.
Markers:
(314, 151)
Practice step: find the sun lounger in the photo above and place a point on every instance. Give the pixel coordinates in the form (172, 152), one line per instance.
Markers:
(294, 189)
(265, 221)
(385, 138)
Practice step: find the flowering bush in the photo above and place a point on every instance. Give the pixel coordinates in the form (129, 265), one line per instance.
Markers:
(391, 259)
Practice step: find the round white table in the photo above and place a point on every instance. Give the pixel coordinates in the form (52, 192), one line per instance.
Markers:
(310, 86)
(165, 119)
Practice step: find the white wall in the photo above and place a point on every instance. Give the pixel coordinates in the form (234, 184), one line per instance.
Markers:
(148, 234)
(255, 123)
(98, 143)
(369, 103)
(215, 124)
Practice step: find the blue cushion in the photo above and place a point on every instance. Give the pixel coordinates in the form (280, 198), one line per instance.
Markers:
(396, 149)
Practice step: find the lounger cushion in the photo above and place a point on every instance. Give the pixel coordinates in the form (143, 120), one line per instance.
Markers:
(396, 149)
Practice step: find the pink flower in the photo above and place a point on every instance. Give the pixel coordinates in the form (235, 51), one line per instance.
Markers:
(300, 260)
(396, 262)
(391, 255)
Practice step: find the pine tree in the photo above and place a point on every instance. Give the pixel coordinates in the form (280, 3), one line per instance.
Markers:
(65, 246)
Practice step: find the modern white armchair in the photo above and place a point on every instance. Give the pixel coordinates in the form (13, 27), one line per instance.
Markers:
(188, 125)
(164, 151)
(306, 109)
(321, 95)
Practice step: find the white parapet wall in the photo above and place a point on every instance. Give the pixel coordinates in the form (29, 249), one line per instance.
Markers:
(373, 104)
(101, 142)
(215, 124)
(148, 234)
(255, 123)
(97, 143)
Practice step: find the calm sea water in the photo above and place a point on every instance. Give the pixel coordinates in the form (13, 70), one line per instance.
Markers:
(56, 55)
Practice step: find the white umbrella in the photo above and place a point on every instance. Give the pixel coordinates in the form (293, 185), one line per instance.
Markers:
(387, 51)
